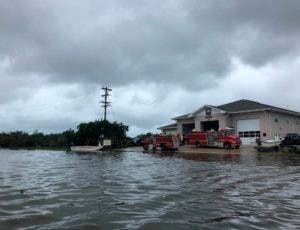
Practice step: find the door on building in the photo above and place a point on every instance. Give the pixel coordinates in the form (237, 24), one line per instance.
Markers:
(210, 125)
(187, 128)
(248, 130)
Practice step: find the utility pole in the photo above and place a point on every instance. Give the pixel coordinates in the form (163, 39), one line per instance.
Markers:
(105, 102)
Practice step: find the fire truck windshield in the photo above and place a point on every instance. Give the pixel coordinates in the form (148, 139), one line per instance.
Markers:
(228, 132)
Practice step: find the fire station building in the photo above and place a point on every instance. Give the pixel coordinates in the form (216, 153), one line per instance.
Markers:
(250, 119)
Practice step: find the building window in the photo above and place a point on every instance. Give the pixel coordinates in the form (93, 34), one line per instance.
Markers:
(249, 134)
(276, 120)
(246, 134)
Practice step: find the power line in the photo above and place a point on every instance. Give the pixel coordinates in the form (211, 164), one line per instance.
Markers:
(105, 103)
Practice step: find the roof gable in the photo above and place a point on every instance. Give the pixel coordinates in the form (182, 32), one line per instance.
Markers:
(203, 108)
(198, 112)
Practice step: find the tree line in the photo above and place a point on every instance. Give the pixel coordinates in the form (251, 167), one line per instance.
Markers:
(85, 134)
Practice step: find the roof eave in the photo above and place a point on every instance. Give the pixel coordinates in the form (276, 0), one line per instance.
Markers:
(173, 128)
(183, 118)
(266, 109)
(249, 111)
(286, 112)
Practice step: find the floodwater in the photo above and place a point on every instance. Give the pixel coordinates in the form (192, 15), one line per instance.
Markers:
(136, 190)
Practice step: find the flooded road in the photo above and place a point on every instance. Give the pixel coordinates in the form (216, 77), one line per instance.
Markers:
(135, 190)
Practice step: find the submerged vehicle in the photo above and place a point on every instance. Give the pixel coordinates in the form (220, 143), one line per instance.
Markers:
(164, 142)
(291, 139)
(291, 142)
(269, 144)
(224, 138)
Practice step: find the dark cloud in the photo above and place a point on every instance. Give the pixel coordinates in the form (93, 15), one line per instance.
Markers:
(189, 43)
(184, 45)
(257, 32)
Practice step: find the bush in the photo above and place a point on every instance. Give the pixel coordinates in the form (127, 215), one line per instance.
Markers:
(86, 134)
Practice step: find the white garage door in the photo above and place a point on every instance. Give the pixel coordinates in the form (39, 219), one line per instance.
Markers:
(248, 130)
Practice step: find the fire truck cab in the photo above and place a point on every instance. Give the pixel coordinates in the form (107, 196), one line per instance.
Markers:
(224, 138)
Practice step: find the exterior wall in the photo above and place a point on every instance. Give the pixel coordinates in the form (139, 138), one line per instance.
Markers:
(264, 120)
(228, 121)
(222, 118)
(224, 121)
(285, 124)
(184, 121)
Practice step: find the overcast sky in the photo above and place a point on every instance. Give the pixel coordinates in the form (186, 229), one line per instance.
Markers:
(161, 58)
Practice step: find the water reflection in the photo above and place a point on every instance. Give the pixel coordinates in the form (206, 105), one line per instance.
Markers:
(283, 159)
(135, 190)
(204, 157)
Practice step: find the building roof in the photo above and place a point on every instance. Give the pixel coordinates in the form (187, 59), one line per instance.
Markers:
(170, 126)
(188, 115)
(241, 106)
(247, 105)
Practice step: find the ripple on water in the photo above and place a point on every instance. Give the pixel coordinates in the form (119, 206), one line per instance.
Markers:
(133, 190)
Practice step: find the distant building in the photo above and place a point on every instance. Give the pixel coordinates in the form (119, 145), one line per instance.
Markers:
(250, 119)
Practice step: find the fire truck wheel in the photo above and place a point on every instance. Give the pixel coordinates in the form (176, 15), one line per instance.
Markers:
(237, 147)
(145, 147)
(162, 147)
(198, 145)
(227, 145)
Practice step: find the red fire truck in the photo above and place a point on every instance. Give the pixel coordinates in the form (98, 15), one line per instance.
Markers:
(164, 142)
(224, 138)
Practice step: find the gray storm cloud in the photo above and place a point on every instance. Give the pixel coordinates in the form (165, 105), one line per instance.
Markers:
(190, 43)
(189, 46)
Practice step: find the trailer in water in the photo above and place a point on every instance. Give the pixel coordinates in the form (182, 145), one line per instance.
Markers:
(92, 149)
(86, 149)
